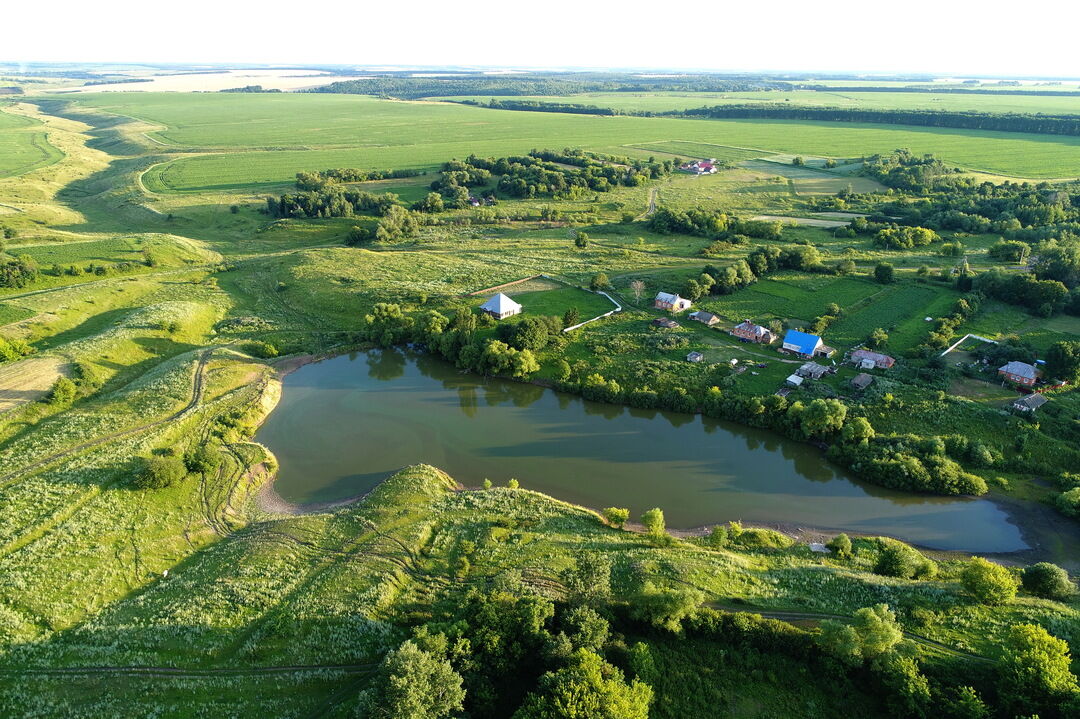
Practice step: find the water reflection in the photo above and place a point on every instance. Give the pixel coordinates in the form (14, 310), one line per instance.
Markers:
(340, 429)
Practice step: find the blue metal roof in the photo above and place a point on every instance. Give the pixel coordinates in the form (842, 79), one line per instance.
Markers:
(802, 342)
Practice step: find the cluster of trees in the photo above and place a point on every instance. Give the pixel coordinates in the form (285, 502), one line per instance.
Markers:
(404, 86)
(541, 106)
(458, 341)
(18, 271)
(542, 173)
(396, 223)
(331, 201)
(758, 263)
(905, 238)
(713, 224)
(320, 179)
(903, 170)
(1042, 297)
(912, 463)
(967, 119)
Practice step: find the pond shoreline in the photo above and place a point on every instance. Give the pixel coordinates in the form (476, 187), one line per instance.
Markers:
(1041, 546)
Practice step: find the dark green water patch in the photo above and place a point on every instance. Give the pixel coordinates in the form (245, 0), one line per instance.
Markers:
(347, 423)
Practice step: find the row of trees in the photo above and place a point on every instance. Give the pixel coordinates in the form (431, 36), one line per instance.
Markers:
(320, 179)
(712, 224)
(967, 119)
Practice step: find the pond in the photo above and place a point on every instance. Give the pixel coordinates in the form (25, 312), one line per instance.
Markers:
(345, 424)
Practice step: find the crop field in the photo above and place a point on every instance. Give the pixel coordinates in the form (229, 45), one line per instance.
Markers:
(23, 145)
(664, 101)
(304, 132)
(888, 309)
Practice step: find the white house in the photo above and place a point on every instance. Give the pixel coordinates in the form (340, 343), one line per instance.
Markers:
(670, 302)
(500, 307)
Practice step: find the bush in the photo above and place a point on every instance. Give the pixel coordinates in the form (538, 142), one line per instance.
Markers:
(616, 516)
(987, 582)
(1048, 581)
(159, 472)
(202, 460)
(1069, 502)
(840, 545)
(262, 350)
(63, 392)
(899, 560)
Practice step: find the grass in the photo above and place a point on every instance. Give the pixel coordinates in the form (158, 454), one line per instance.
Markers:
(556, 302)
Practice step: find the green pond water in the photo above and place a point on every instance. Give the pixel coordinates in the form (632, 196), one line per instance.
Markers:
(347, 423)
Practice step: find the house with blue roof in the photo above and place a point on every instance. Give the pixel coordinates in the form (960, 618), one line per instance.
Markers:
(806, 345)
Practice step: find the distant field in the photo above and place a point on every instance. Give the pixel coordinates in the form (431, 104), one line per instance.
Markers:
(23, 146)
(663, 101)
(311, 132)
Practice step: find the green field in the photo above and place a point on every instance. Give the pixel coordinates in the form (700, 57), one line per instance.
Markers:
(303, 132)
(23, 146)
(664, 101)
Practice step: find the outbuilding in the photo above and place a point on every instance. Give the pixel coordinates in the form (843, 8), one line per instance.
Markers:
(500, 307)
(1029, 403)
(862, 380)
(706, 318)
(695, 357)
(806, 345)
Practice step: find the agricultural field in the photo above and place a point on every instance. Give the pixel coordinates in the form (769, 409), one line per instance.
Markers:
(163, 306)
(665, 101)
(312, 133)
(23, 145)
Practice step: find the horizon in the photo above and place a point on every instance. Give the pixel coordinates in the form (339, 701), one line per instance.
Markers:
(844, 37)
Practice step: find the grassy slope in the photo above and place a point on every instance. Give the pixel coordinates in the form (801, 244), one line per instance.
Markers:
(332, 589)
(23, 145)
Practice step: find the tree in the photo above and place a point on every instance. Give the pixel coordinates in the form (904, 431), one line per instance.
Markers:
(587, 688)
(665, 608)
(523, 364)
(858, 430)
(1063, 361)
(202, 459)
(616, 516)
(653, 520)
(562, 370)
(798, 161)
(884, 273)
(637, 287)
(599, 282)
(589, 580)
(63, 392)
(581, 240)
(1035, 669)
(878, 338)
(823, 417)
(987, 582)
(159, 472)
(840, 545)
(416, 684)
(513, 483)
(897, 559)
(1048, 581)
(571, 317)
(873, 632)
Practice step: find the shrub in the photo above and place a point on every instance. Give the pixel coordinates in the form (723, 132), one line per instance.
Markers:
(63, 392)
(1048, 581)
(202, 460)
(159, 472)
(840, 545)
(262, 350)
(616, 516)
(899, 560)
(987, 582)
(1069, 502)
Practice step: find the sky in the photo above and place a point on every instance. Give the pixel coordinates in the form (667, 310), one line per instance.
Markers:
(953, 37)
